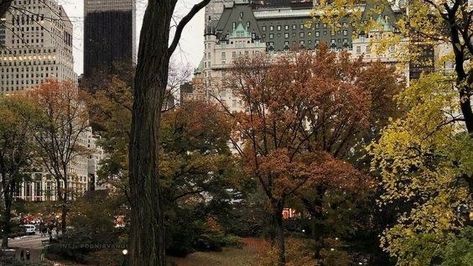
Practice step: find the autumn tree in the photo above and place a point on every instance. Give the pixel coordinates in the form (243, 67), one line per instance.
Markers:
(424, 159)
(110, 102)
(60, 135)
(147, 234)
(110, 107)
(17, 116)
(198, 176)
(448, 29)
(303, 113)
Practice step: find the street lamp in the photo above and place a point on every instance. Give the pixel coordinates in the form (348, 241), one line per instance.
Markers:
(124, 252)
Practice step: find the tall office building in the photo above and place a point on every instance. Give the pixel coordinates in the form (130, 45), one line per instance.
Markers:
(109, 34)
(35, 45)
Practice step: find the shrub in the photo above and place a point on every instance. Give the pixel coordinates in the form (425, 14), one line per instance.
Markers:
(298, 253)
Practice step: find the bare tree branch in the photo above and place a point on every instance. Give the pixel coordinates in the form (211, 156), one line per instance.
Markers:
(180, 27)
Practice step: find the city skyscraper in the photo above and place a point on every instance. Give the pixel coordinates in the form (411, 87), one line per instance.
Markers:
(109, 34)
(35, 45)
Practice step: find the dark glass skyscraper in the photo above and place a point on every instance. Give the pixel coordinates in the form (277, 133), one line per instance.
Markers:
(109, 34)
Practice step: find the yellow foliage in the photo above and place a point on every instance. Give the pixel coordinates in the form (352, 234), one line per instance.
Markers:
(420, 158)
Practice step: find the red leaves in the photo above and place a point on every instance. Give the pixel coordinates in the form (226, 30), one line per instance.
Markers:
(305, 110)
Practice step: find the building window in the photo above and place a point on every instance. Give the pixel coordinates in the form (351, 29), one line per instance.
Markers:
(279, 27)
(286, 27)
(345, 32)
(301, 34)
(263, 28)
(271, 27)
(317, 34)
(286, 35)
(271, 35)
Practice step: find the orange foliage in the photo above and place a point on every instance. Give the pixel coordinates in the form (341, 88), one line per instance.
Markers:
(303, 113)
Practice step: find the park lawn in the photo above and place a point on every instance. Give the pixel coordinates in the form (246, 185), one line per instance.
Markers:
(246, 256)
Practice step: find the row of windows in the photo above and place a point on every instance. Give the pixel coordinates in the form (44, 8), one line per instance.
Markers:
(27, 19)
(27, 41)
(279, 27)
(27, 75)
(21, 82)
(29, 2)
(302, 43)
(26, 51)
(303, 34)
(301, 26)
(26, 63)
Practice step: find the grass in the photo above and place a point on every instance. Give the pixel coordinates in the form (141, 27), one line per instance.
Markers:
(246, 256)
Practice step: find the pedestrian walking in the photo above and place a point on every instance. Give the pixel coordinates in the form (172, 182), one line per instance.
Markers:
(22, 255)
(41, 227)
(28, 255)
(41, 256)
(50, 232)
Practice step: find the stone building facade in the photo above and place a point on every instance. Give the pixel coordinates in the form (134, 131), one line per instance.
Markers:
(41, 186)
(273, 27)
(35, 45)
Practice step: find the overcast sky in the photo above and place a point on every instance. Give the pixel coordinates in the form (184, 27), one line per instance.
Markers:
(191, 45)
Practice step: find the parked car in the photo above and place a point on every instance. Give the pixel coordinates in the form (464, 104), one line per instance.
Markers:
(30, 229)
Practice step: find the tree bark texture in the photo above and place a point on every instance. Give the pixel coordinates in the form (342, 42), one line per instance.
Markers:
(147, 234)
(6, 226)
(280, 236)
(464, 82)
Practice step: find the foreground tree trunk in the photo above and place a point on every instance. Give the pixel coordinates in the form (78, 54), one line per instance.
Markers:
(147, 234)
(280, 240)
(64, 210)
(62, 198)
(6, 220)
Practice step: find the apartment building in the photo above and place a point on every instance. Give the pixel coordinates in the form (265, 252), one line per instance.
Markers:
(35, 45)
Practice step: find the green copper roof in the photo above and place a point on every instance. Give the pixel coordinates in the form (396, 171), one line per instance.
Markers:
(240, 31)
(385, 24)
(200, 68)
